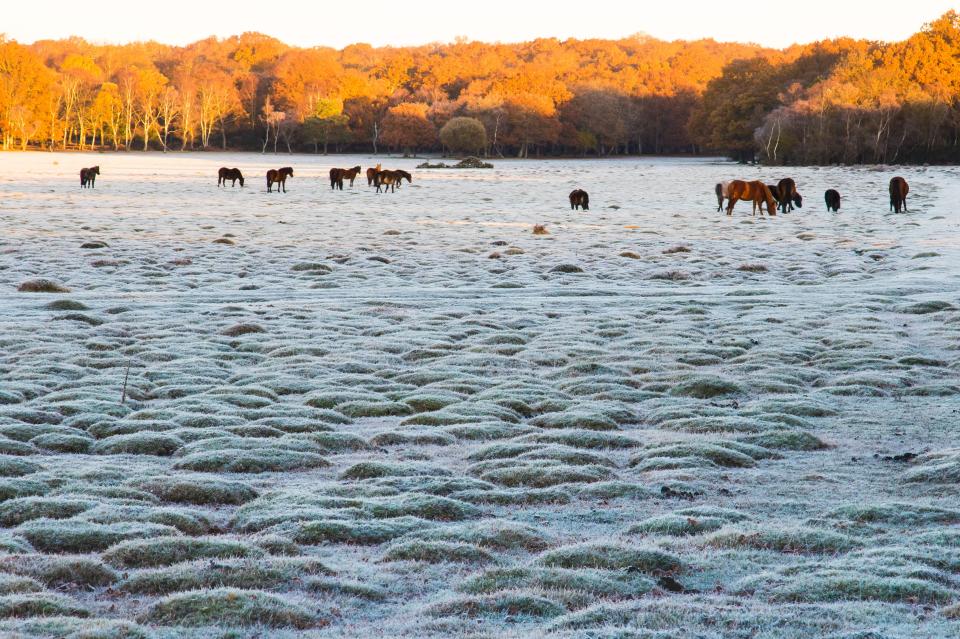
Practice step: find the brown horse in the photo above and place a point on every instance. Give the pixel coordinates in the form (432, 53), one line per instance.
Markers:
(898, 194)
(832, 198)
(337, 176)
(403, 175)
(372, 173)
(387, 179)
(579, 198)
(88, 177)
(229, 174)
(756, 191)
(787, 195)
(278, 177)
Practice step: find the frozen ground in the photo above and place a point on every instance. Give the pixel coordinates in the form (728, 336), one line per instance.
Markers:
(401, 415)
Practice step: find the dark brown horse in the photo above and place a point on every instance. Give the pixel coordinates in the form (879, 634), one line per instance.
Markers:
(898, 194)
(756, 191)
(579, 198)
(403, 175)
(278, 177)
(372, 173)
(832, 198)
(786, 194)
(229, 174)
(337, 176)
(88, 177)
(387, 179)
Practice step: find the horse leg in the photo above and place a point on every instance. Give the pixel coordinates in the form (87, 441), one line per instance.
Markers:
(731, 202)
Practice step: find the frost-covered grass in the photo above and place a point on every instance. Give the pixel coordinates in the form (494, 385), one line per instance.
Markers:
(343, 419)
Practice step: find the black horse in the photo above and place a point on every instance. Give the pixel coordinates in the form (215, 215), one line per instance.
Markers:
(229, 174)
(786, 194)
(579, 198)
(88, 177)
(832, 198)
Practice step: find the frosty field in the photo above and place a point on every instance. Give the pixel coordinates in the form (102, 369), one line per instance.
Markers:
(406, 415)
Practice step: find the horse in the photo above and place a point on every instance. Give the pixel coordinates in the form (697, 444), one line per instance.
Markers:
(756, 191)
(337, 176)
(787, 196)
(387, 178)
(372, 173)
(278, 177)
(229, 174)
(403, 175)
(898, 194)
(88, 177)
(832, 198)
(579, 198)
(721, 190)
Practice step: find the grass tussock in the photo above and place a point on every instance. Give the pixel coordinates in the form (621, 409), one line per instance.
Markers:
(57, 571)
(611, 556)
(229, 607)
(40, 605)
(199, 491)
(250, 461)
(42, 286)
(435, 552)
(263, 574)
(163, 551)
(245, 328)
(784, 539)
(338, 531)
(512, 604)
(72, 536)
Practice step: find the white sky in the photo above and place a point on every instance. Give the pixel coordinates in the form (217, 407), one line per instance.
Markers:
(402, 22)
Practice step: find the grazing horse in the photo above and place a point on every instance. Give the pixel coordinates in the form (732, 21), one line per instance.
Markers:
(832, 198)
(787, 195)
(756, 191)
(229, 174)
(721, 190)
(579, 198)
(387, 179)
(898, 194)
(337, 176)
(278, 177)
(372, 173)
(403, 175)
(89, 176)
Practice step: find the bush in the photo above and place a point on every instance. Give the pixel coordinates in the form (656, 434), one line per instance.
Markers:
(464, 135)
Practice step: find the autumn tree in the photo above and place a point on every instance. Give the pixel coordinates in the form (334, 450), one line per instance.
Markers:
(407, 127)
(326, 124)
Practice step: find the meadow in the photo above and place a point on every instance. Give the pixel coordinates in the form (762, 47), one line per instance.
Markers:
(228, 413)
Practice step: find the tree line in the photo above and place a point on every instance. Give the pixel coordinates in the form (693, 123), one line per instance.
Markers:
(828, 102)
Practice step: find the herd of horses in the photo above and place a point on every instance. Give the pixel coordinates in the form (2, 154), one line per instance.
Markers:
(376, 176)
(782, 196)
